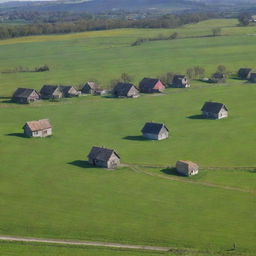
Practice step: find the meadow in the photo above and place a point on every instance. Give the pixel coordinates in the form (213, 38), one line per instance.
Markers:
(48, 189)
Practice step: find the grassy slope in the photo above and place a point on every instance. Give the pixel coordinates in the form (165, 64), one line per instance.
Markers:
(75, 58)
(57, 199)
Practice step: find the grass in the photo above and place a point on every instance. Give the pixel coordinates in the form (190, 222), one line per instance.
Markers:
(47, 188)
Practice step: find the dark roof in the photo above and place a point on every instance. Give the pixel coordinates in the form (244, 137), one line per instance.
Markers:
(22, 93)
(65, 88)
(153, 128)
(178, 78)
(218, 75)
(213, 107)
(102, 154)
(244, 72)
(122, 89)
(148, 82)
(48, 89)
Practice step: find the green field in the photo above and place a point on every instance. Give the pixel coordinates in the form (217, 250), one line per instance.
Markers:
(47, 188)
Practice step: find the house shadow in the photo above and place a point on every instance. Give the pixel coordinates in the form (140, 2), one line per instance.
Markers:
(138, 138)
(170, 171)
(17, 134)
(196, 117)
(81, 164)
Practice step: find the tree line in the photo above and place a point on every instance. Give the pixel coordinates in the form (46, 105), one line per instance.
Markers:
(89, 24)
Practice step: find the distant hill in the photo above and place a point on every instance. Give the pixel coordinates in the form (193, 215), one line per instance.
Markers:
(103, 5)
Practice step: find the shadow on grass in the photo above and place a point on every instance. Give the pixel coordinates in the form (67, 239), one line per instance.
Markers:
(170, 171)
(138, 138)
(196, 117)
(81, 164)
(17, 134)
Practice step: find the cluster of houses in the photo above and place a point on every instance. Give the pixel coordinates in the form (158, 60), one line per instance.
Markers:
(120, 90)
(109, 158)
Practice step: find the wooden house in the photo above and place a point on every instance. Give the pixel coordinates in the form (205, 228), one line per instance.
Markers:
(187, 168)
(51, 92)
(91, 88)
(104, 157)
(244, 73)
(155, 131)
(218, 78)
(214, 110)
(180, 81)
(151, 85)
(128, 90)
(252, 78)
(25, 95)
(40, 128)
(69, 91)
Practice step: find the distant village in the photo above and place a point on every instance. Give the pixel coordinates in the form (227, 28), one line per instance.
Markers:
(109, 158)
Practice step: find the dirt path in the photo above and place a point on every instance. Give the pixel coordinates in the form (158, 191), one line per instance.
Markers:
(137, 168)
(85, 243)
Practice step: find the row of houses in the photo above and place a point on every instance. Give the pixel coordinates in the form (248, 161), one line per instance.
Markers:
(147, 85)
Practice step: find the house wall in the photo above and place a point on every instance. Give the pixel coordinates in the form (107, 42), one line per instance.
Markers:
(151, 136)
(223, 113)
(159, 87)
(112, 163)
(37, 134)
(133, 92)
(72, 92)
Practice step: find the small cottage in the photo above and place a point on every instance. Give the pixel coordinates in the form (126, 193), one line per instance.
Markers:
(217, 78)
(244, 73)
(69, 91)
(40, 128)
(104, 157)
(155, 131)
(187, 168)
(125, 90)
(51, 92)
(91, 88)
(180, 81)
(151, 85)
(214, 110)
(252, 78)
(25, 95)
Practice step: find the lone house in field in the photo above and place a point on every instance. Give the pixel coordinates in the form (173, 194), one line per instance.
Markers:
(151, 85)
(252, 78)
(91, 88)
(69, 91)
(155, 131)
(125, 90)
(180, 81)
(103, 157)
(25, 95)
(214, 110)
(187, 168)
(40, 128)
(244, 73)
(51, 92)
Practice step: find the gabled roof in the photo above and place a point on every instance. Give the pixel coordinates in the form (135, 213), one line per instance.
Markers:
(213, 107)
(48, 89)
(23, 93)
(102, 154)
(187, 163)
(66, 88)
(244, 72)
(38, 125)
(153, 128)
(148, 82)
(122, 89)
(92, 85)
(178, 78)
